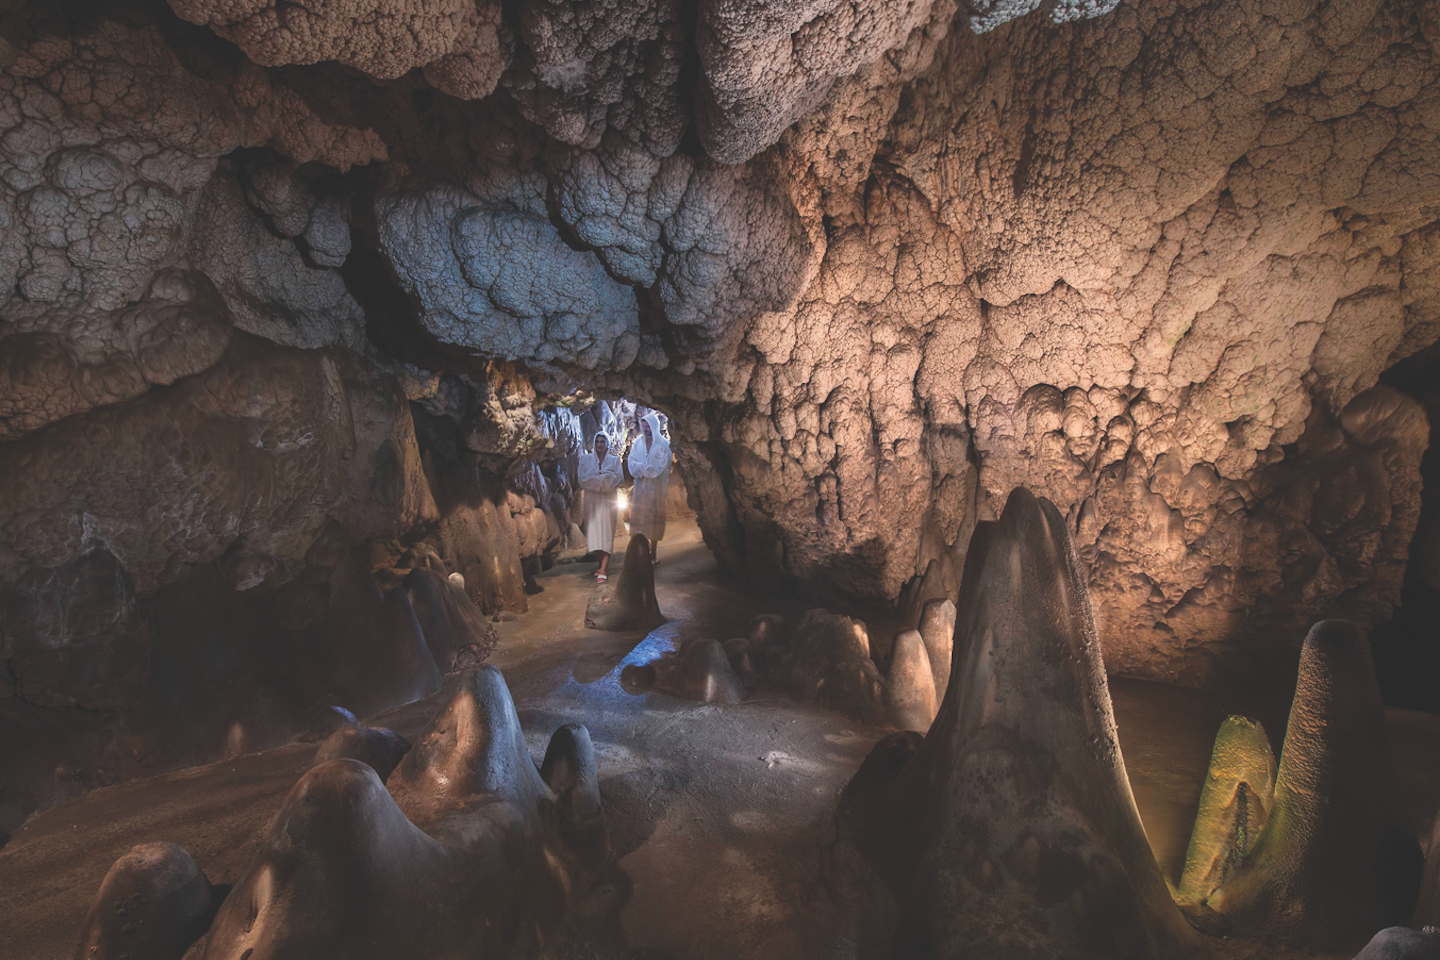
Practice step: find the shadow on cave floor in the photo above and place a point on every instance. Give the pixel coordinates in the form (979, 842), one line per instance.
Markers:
(722, 815)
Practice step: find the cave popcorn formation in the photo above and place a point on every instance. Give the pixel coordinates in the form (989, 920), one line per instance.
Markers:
(310, 310)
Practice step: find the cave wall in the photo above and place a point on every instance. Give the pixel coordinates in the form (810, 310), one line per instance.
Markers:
(277, 289)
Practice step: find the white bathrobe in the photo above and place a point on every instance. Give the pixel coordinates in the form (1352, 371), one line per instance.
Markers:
(600, 481)
(651, 469)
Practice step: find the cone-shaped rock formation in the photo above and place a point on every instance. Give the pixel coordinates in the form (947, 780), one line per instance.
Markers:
(1234, 805)
(1010, 831)
(1332, 859)
(628, 603)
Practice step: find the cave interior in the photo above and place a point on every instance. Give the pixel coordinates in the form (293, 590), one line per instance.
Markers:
(719, 479)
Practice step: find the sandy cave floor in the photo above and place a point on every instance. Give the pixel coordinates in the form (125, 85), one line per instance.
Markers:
(722, 815)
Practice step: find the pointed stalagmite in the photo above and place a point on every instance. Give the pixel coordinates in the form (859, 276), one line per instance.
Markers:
(627, 603)
(910, 687)
(1234, 805)
(456, 631)
(1010, 831)
(937, 628)
(1332, 860)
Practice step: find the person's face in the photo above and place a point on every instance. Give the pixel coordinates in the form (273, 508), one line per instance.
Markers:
(645, 429)
(602, 446)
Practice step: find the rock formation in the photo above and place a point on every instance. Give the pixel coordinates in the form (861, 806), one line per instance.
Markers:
(827, 662)
(1327, 855)
(1009, 829)
(152, 905)
(379, 748)
(627, 602)
(279, 282)
(1402, 943)
(699, 670)
(910, 686)
(472, 848)
(1235, 804)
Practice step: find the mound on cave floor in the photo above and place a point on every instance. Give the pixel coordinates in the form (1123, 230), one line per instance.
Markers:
(722, 816)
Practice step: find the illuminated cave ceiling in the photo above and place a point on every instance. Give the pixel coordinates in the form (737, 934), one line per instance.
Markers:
(880, 262)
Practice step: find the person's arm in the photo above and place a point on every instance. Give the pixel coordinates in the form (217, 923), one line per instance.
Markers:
(587, 472)
(636, 460)
(614, 472)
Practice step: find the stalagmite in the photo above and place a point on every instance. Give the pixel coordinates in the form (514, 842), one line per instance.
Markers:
(381, 749)
(627, 603)
(1333, 858)
(937, 629)
(471, 851)
(153, 904)
(1010, 830)
(1234, 805)
(910, 686)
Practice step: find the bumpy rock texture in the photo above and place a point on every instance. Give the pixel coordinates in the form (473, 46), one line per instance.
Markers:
(283, 281)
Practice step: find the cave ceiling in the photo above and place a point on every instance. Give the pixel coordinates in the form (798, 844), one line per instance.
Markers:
(881, 263)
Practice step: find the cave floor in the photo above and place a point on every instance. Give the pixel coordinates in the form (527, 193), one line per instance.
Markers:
(722, 815)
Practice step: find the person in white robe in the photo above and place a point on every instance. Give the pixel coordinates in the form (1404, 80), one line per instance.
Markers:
(650, 466)
(600, 476)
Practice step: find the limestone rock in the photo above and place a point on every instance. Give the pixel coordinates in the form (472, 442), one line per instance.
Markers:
(700, 670)
(152, 905)
(1427, 905)
(910, 686)
(1333, 857)
(627, 602)
(1234, 805)
(1017, 797)
(455, 629)
(379, 748)
(827, 661)
(1402, 943)
(937, 629)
